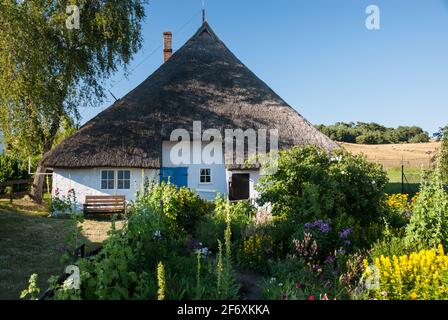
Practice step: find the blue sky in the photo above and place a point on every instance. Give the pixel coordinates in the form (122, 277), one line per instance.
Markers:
(318, 55)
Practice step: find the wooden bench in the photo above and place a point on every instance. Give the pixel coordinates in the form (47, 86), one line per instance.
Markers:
(105, 204)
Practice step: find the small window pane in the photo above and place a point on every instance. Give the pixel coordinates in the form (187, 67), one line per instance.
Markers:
(111, 175)
(127, 184)
(110, 184)
(127, 175)
(205, 176)
(103, 184)
(119, 184)
(104, 175)
(120, 174)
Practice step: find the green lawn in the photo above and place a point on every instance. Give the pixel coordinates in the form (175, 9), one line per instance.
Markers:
(30, 242)
(413, 176)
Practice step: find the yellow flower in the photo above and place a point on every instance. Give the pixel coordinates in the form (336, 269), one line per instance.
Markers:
(414, 296)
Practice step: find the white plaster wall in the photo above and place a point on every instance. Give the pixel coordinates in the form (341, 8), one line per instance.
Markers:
(218, 172)
(88, 182)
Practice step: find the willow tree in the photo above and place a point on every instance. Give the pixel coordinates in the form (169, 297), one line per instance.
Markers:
(54, 57)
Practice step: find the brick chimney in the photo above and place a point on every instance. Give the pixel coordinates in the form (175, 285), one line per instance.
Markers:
(167, 46)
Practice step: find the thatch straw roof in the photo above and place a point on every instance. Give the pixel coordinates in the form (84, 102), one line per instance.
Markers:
(202, 81)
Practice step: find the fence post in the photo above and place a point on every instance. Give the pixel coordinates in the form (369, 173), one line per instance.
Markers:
(402, 176)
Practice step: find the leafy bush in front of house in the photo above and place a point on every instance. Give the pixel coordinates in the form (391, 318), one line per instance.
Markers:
(154, 257)
(428, 226)
(212, 227)
(182, 207)
(341, 189)
(63, 204)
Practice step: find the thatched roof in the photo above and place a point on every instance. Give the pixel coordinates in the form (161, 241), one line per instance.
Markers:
(202, 81)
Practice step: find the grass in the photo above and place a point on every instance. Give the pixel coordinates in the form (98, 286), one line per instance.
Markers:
(414, 156)
(30, 242)
(412, 182)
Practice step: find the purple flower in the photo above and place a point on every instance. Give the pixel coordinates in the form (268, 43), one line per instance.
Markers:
(347, 243)
(344, 234)
(323, 226)
(62, 248)
(329, 259)
(161, 203)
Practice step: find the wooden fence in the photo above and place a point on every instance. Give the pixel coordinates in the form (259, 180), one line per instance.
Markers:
(20, 187)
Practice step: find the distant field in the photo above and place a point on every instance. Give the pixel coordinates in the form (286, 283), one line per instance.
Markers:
(415, 157)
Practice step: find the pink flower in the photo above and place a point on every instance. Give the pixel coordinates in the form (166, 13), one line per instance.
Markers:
(325, 297)
(311, 298)
(298, 285)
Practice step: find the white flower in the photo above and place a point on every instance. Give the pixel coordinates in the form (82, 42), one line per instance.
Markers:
(280, 284)
(373, 182)
(157, 234)
(203, 251)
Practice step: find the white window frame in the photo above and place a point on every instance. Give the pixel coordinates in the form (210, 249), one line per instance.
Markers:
(115, 179)
(123, 179)
(210, 174)
(107, 179)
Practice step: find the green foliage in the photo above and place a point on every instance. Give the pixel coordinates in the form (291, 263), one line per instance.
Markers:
(213, 226)
(161, 281)
(129, 265)
(443, 155)
(293, 279)
(6, 168)
(33, 291)
(428, 226)
(48, 70)
(256, 250)
(391, 246)
(63, 203)
(183, 208)
(373, 133)
(311, 185)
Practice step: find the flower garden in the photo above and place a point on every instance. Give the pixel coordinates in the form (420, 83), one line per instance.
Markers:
(332, 233)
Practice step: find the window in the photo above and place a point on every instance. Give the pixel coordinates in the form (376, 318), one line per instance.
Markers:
(123, 179)
(107, 179)
(205, 176)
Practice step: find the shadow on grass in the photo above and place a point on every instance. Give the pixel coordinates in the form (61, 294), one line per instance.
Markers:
(31, 242)
(395, 187)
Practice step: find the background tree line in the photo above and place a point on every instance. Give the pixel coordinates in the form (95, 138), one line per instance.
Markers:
(373, 133)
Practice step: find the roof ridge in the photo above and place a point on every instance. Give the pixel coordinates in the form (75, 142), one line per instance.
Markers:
(205, 27)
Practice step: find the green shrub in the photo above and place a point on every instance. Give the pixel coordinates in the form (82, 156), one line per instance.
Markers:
(312, 185)
(391, 246)
(182, 207)
(428, 226)
(6, 168)
(151, 257)
(212, 227)
(293, 279)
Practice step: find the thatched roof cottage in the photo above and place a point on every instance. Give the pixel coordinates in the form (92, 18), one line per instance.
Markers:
(203, 81)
